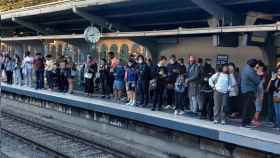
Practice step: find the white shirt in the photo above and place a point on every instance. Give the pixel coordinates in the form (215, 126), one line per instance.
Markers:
(27, 62)
(222, 82)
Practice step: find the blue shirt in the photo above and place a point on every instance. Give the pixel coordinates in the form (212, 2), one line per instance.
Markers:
(119, 73)
(131, 74)
(249, 80)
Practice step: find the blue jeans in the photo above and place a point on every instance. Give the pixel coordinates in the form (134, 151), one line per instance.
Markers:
(277, 114)
(28, 77)
(40, 79)
(18, 78)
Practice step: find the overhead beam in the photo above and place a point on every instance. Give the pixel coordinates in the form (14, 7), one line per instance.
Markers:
(32, 26)
(102, 22)
(217, 11)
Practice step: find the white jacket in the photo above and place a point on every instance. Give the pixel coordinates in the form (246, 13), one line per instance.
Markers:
(221, 82)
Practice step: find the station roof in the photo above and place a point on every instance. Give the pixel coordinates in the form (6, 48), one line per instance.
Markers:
(138, 15)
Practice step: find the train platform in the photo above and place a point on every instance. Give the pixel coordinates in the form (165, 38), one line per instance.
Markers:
(267, 141)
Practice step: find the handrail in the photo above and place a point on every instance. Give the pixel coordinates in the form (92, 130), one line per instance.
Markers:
(174, 32)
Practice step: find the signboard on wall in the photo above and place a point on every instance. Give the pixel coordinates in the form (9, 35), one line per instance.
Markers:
(221, 59)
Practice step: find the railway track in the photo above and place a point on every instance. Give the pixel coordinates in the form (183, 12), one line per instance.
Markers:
(16, 147)
(63, 145)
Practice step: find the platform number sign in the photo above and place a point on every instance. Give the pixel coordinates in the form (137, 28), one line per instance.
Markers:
(221, 60)
(92, 34)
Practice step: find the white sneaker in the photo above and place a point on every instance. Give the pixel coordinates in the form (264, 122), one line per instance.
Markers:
(167, 107)
(216, 121)
(129, 103)
(176, 112)
(181, 113)
(223, 122)
(133, 103)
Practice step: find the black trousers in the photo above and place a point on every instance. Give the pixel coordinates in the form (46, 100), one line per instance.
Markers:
(104, 84)
(143, 91)
(63, 83)
(208, 104)
(50, 80)
(158, 97)
(248, 107)
(170, 96)
(234, 105)
(9, 75)
(179, 100)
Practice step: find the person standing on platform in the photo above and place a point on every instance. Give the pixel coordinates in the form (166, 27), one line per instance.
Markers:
(118, 86)
(222, 82)
(274, 86)
(9, 68)
(39, 67)
(260, 96)
(90, 71)
(49, 68)
(206, 91)
(27, 69)
(143, 73)
(233, 102)
(104, 77)
(249, 84)
(71, 72)
(158, 84)
(192, 81)
(113, 63)
(173, 70)
(63, 83)
(131, 79)
(180, 87)
(200, 80)
(153, 72)
(18, 71)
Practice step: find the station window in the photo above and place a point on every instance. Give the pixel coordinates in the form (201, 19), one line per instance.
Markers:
(124, 53)
(103, 51)
(114, 48)
(136, 49)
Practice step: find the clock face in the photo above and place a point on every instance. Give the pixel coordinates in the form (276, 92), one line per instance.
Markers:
(92, 34)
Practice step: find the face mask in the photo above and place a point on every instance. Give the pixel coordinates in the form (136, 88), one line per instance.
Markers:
(161, 72)
(172, 61)
(129, 64)
(140, 61)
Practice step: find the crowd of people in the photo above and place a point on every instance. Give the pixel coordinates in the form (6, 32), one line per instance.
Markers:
(194, 86)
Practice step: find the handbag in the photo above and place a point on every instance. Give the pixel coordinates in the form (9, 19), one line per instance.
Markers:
(153, 84)
(73, 73)
(88, 75)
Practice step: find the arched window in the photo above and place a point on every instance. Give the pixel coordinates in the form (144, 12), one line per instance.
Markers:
(124, 53)
(103, 51)
(59, 50)
(53, 51)
(136, 49)
(114, 48)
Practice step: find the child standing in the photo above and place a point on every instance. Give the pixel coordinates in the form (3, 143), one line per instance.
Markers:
(179, 94)
(131, 78)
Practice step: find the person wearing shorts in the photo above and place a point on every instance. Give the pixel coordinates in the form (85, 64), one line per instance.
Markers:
(118, 85)
(131, 78)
